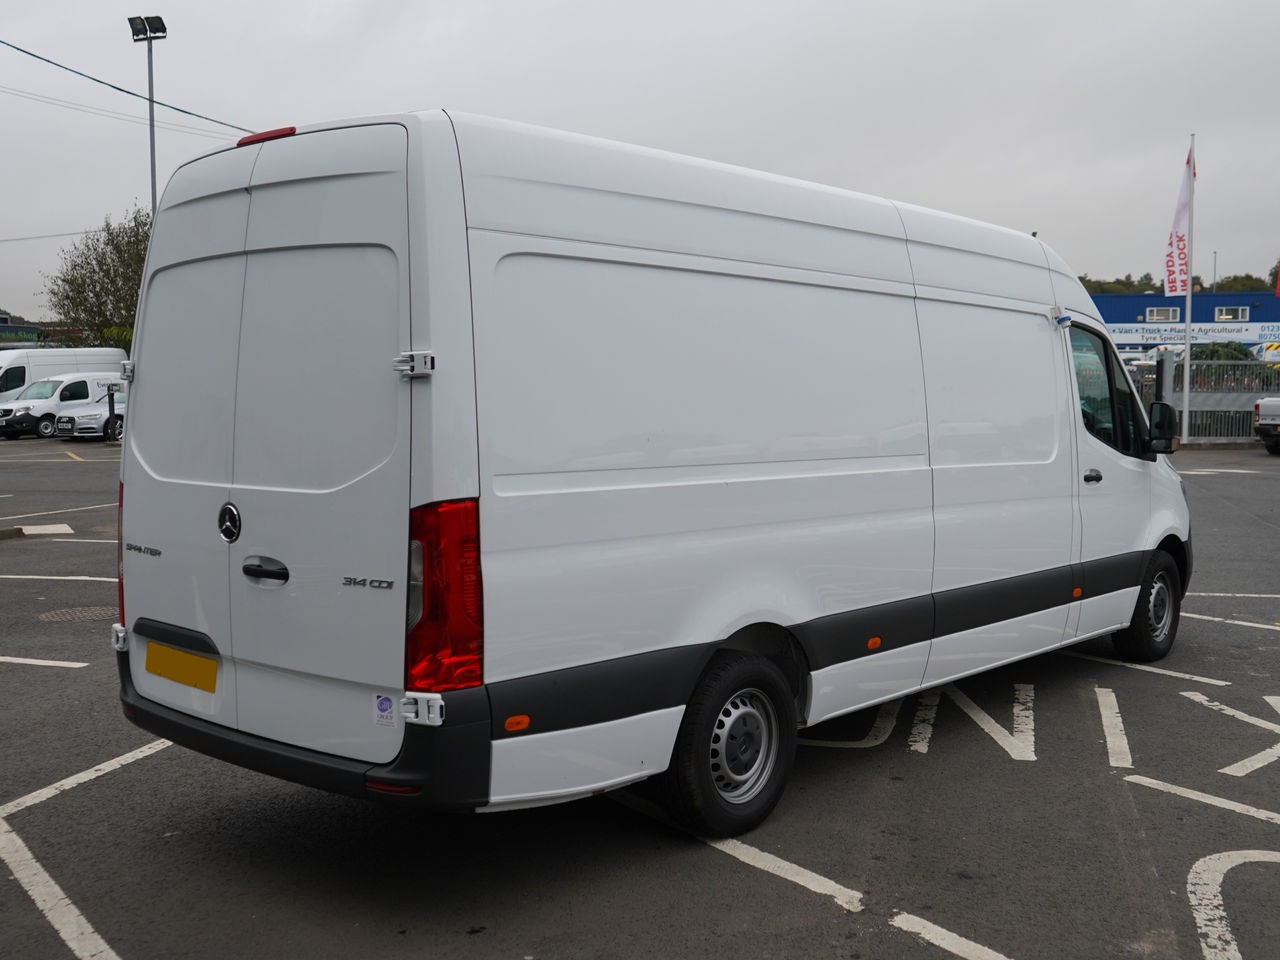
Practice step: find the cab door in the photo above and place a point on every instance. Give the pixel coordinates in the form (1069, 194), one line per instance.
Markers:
(1113, 484)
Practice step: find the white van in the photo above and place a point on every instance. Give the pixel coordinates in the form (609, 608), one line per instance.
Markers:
(641, 462)
(18, 368)
(35, 410)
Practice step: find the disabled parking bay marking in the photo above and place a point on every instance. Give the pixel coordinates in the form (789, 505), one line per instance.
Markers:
(1204, 891)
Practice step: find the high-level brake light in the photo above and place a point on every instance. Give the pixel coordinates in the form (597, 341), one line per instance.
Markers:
(275, 134)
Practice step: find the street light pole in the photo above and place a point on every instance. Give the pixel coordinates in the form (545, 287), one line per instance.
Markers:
(148, 29)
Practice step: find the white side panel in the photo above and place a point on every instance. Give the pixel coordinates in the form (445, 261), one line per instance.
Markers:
(565, 764)
(1000, 429)
(642, 464)
(528, 180)
(1107, 613)
(860, 683)
(961, 654)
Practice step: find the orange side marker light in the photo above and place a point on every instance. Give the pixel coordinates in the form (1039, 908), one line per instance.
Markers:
(873, 643)
(516, 723)
(1077, 593)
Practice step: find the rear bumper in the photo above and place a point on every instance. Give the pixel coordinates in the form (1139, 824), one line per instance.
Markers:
(1266, 431)
(445, 767)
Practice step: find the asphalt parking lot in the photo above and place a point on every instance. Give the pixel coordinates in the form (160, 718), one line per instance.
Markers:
(1068, 806)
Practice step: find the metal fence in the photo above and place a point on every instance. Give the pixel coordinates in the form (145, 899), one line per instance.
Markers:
(1223, 393)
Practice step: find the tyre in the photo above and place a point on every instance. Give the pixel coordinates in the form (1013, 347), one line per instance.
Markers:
(1273, 449)
(114, 429)
(734, 749)
(46, 427)
(1150, 634)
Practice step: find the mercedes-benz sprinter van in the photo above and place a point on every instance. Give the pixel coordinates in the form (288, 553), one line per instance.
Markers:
(630, 465)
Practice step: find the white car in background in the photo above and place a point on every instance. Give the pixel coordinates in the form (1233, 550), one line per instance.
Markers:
(93, 418)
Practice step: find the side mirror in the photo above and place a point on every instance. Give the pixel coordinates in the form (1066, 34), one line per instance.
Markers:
(1164, 428)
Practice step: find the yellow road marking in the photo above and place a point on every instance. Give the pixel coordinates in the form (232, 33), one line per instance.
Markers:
(73, 456)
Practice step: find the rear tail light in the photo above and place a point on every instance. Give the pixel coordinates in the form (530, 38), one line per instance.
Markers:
(1257, 412)
(444, 641)
(120, 552)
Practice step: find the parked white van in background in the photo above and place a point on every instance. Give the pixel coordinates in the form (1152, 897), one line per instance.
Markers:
(653, 461)
(35, 410)
(18, 368)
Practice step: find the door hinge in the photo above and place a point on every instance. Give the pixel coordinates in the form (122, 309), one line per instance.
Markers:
(423, 708)
(126, 371)
(416, 363)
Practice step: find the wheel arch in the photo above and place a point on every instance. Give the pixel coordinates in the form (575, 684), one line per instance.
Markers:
(1180, 552)
(777, 644)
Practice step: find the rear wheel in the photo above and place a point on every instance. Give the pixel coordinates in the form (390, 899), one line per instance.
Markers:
(1150, 634)
(1273, 449)
(735, 747)
(46, 427)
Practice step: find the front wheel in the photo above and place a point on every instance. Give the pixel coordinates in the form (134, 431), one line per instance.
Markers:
(734, 749)
(1150, 634)
(114, 430)
(46, 427)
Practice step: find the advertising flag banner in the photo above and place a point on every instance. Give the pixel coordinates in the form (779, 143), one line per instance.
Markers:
(1177, 258)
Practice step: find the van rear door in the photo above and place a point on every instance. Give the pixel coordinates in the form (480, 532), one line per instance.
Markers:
(320, 471)
(276, 302)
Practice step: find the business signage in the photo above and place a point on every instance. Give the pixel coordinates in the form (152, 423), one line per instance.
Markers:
(1157, 334)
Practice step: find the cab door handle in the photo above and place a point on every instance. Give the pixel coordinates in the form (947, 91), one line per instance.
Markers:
(1093, 476)
(265, 568)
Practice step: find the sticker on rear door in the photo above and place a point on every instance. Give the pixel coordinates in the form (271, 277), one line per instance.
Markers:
(384, 710)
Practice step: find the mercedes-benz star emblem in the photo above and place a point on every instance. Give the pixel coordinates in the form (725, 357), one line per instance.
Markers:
(229, 522)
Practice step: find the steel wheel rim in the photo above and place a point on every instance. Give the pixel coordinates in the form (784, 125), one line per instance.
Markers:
(744, 746)
(1160, 608)
(45, 429)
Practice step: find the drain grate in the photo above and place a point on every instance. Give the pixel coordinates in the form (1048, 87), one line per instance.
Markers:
(78, 615)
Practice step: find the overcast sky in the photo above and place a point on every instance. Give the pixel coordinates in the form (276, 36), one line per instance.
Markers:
(1069, 118)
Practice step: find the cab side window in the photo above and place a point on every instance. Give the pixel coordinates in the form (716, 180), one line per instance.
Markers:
(1107, 403)
(75, 390)
(13, 378)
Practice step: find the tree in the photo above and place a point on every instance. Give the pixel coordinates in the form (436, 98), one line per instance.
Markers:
(1271, 277)
(1242, 283)
(94, 293)
(1223, 350)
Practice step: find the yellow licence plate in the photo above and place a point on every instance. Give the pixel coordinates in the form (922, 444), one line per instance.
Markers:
(189, 669)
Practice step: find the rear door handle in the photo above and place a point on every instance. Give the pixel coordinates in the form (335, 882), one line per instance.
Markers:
(265, 568)
(1093, 476)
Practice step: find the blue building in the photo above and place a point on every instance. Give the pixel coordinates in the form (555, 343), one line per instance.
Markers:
(1141, 321)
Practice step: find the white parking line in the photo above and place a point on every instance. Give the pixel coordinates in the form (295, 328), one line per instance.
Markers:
(78, 540)
(851, 900)
(56, 906)
(44, 529)
(70, 924)
(1246, 596)
(26, 576)
(46, 793)
(1220, 802)
(41, 663)
(1147, 667)
(51, 513)
(953, 943)
(1238, 623)
(1113, 729)
(1204, 891)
